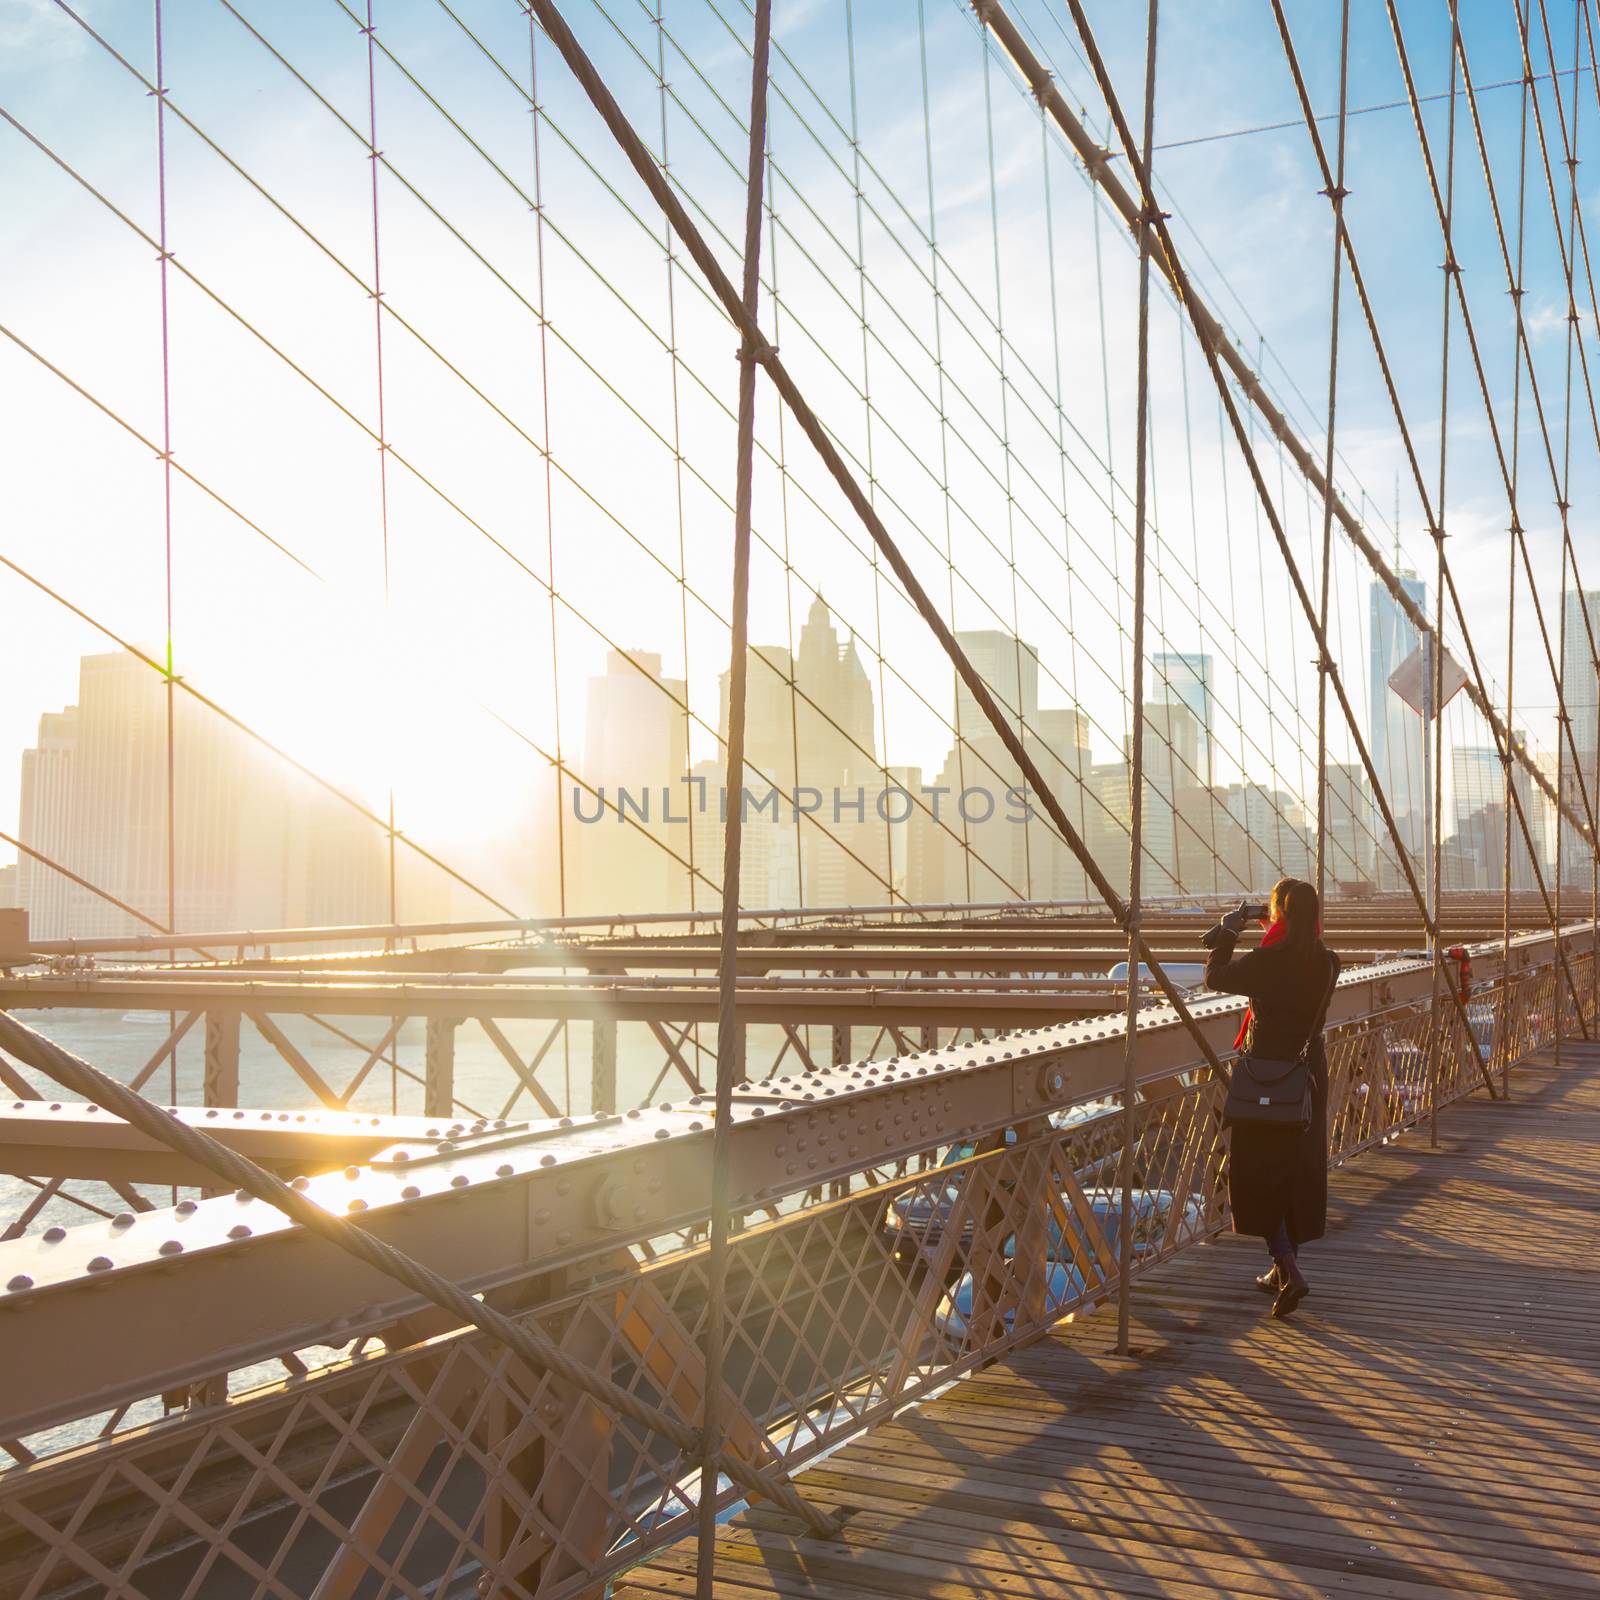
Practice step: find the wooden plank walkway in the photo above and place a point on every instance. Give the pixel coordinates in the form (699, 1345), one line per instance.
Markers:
(1427, 1424)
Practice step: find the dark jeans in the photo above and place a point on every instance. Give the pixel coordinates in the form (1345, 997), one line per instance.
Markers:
(1279, 1243)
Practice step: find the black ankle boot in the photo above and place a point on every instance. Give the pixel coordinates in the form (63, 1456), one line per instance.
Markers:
(1293, 1290)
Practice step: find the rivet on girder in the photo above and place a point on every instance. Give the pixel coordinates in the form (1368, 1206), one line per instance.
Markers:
(100, 1264)
(54, 1235)
(170, 1247)
(460, 1181)
(21, 1281)
(240, 1230)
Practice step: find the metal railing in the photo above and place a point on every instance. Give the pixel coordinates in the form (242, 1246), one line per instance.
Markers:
(401, 1455)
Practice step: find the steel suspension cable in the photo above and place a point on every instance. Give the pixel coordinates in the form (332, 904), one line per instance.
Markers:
(1204, 330)
(391, 312)
(1433, 693)
(1337, 195)
(976, 523)
(164, 256)
(1472, 343)
(389, 451)
(890, 304)
(730, 1034)
(1503, 1041)
(383, 432)
(1130, 1042)
(934, 261)
(549, 472)
(1096, 162)
(1482, 697)
(455, 124)
(638, 156)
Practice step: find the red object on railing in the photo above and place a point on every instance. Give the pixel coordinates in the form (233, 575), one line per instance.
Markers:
(1463, 958)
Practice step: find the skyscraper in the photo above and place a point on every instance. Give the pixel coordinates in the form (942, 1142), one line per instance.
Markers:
(1009, 666)
(1477, 781)
(1350, 851)
(254, 844)
(1185, 680)
(635, 745)
(1395, 731)
(1582, 695)
(46, 823)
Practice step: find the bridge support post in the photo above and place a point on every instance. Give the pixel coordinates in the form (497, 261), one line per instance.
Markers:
(603, 1066)
(839, 1044)
(439, 1067)
(219, 1084)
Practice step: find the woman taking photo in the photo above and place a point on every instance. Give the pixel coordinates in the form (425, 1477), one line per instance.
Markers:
(1278, 1169)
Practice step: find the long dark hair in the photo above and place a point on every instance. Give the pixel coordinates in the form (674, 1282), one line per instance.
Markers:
(1296, 903)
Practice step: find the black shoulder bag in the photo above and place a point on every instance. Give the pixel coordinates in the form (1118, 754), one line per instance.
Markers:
(1277, 1093)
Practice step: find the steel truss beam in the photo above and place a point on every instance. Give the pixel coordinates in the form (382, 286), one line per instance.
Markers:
(489, 1205)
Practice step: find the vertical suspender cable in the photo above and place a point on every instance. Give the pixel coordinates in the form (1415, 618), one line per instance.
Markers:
(1563, 715)
(677, 431)
(1505, 1020)
(1336, 198)
(1213, 343)
(811, 425)
(1130, 1048)
(383, 432)
(164, 256)
(536, 111)
(959, 744)
(1572, 329)
(872, 471)
(1593, 697)
(1021, 707)
(1432, 722)
(730, 1045)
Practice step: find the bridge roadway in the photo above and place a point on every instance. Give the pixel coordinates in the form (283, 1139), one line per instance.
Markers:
(1426, 1425)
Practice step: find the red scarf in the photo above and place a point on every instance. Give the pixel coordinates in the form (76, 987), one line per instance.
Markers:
(1273, 934)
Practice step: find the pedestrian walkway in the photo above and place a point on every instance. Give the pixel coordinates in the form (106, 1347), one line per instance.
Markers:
(1427, 1424)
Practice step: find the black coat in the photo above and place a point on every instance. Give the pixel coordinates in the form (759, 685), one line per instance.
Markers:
(1277, 1173)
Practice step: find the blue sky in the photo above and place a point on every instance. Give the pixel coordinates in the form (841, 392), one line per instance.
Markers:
(411, 687)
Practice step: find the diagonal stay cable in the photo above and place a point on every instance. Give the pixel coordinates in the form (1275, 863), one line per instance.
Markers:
(976, 524)
(561, 35)
(393, 313)
(245, 728)
(1454, 270)
(1097, 161)
(1566, 247)
(1208, 338)
(535, 1348)
(1503, 734)
(1183, 820)
(393, 453)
